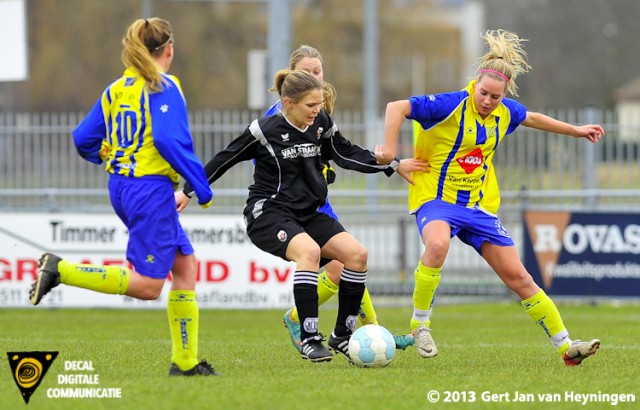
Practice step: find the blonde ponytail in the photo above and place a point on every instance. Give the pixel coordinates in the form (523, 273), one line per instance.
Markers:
(145, 39)
(505, 59)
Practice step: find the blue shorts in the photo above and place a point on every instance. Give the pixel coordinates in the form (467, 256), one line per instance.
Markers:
(472, 226)
(327, 209)
(147, 207)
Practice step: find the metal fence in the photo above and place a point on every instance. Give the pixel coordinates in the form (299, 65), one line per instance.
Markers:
(41, 171)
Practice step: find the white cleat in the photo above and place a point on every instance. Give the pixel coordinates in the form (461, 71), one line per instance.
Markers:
(579, 350)
(424, 342)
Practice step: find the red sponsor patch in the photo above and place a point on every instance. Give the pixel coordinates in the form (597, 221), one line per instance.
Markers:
(471, 161)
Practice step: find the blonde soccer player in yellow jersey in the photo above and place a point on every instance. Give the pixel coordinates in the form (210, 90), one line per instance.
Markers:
(462, 130)
(139, 130)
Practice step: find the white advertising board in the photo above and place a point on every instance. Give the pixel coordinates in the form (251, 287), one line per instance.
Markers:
(14, 47)
(232, 272)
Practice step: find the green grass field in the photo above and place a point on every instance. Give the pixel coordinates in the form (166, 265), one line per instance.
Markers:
(491, 348)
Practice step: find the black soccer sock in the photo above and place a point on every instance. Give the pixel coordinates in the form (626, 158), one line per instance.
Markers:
(305, 295)
(349, 298)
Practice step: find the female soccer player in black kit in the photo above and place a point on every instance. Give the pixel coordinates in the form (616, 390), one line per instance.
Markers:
(282, 208)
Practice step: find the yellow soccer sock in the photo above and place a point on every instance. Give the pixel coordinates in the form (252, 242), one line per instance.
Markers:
(182, 309)
(427, 281)
(104, 279)
(326, 290)
(367, 314)
(544, 312)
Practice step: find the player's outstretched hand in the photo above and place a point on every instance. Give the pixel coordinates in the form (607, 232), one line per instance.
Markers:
(591, 132)
(182, 200)
(410, 165)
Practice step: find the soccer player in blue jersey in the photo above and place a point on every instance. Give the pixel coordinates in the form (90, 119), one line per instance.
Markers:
(139, 128)
(309, 59)
(461, 131)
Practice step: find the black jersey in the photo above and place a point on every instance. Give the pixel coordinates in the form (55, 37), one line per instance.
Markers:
(289, 161)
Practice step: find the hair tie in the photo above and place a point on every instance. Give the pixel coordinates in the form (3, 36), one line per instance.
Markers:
(498, 73)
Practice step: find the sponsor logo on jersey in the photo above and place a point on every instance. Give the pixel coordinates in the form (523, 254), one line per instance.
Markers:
(301, 150)
(471, 161)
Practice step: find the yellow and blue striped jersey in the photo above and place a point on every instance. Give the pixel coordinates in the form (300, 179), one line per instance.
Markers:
(459, 145)
(142, 133)
(490, 190)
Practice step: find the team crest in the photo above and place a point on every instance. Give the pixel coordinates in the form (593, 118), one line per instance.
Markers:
(311, 325)
(351, 323)
(282, 236)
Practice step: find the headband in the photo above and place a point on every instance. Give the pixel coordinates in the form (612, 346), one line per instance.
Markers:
(498, 73)
(153, 47)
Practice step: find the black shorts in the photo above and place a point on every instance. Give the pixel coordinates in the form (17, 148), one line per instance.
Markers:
(274, 228)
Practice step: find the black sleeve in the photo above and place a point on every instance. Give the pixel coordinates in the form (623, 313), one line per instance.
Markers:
(241, 149)
(351, 156)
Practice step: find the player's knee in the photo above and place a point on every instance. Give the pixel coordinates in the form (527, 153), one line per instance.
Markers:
(519, 281)
(312, 255)
(358, 259)
(150, 289)
(148, 293)
(436, 251)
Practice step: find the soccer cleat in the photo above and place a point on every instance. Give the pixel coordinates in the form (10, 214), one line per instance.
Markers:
(424, 342)
(201, 369)
(340, 344)
(579, 350)
(403, 341)
(48, 277)
(294, 330)
(313, 350)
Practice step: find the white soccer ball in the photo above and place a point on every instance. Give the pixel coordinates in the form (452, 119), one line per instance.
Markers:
(372, 346)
